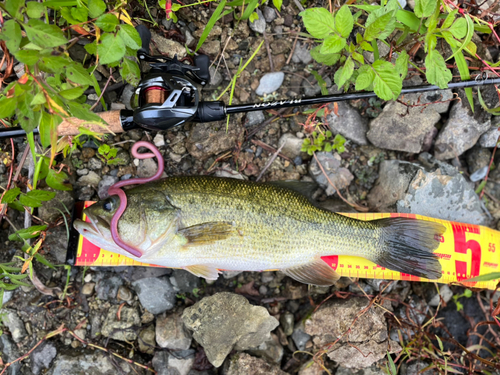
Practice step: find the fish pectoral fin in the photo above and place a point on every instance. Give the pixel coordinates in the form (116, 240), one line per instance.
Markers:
(200, 270)
(206, 233)
(315, 273)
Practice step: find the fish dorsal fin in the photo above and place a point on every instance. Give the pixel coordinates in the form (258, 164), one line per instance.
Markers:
(314, 273)
(200, 270)
(206, 233)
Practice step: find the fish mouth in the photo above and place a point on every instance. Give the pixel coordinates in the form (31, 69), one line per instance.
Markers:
(92, 227)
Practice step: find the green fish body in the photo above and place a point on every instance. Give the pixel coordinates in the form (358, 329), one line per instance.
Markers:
(205, 224)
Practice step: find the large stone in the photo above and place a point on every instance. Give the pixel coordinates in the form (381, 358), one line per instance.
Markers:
(89, 362)
(169, 46)
(209, 139)
(403, 128)
(478, 158)
(156, 294)
(176, 363)
(348, 123)
(121, 328)
(341, 177)
(212, 318)
(51, 210)
(42, 357)
(443, 197)
(269, 83)
(171, 332)
(14, 324)
(291, 145)
(360, 344)
(270, 350)
(243, 363)
(10, 353)
(393, 181)
(184, 281)
(460, 132)
(490, 138)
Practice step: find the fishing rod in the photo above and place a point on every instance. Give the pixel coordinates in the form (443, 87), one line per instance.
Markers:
(168, 96)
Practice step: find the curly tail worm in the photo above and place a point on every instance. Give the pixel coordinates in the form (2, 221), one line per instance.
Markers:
(116, 190)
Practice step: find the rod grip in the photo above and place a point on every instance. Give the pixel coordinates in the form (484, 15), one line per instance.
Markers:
(70, 126)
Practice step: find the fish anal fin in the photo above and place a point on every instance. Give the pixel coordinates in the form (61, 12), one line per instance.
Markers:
(201, 270)
(206, 233)
(314, 273)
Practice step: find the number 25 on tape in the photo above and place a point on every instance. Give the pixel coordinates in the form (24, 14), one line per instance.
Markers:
(462, 246)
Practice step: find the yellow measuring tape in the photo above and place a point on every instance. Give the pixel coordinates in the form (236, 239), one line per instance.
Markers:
(465, 251)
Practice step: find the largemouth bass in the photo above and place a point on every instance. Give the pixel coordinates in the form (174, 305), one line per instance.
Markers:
(206, 224)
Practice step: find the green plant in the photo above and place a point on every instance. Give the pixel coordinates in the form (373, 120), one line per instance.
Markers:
(467, 294)
(432, 20)
(323, 142)
(108, 154)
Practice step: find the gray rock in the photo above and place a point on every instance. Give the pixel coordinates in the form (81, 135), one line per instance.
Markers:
(42, 357)
(479, 174)
(227, 312)
(171, 332)
(95, 164)
(291, 145)
(460, 132)
(89, 362)
(415, 368)
(14, 324)
(403, 128)
(393, 181)
(190, 40)
(301, 54)
(167, 23)
(242, 363)
(299, 337)
(478, 158)
(168, 47)
(159, 140)
(255, 118)
(211, 47)
(160, 363)
(10, 353)
(62, 201)
(107, 286)
(339, 176)
(146, 340)
(127, 93)
(269, 14)
(57, 243)
(156, 294)
(122, 158)
(270, 350)
(369, 334)
(348, 123)
(105, 183)
(375, 369)
(444, 292)
(287, 321)
(82, 172)
(269, 83)
(230, 274)
(91, 179)
(123, 329)
(311, 86)
(259, 25)
(431, 164)
(147, 272)
(169, 364)
(215, 78)
(184, 281)
(8, 294)
(147, 168)
(490, 138)
(443, 197)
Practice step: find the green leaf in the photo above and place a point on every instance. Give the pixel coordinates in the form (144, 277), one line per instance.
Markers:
(27, 57)
(7, 107)
(358, 57)
(449, 19)
(96, 8)
(11, 33)
(345, 73)
(436, 71)
(277, 4)
(381, 28)
(83, 112)
(91, 48)
(38, 99)
(28, 201)
(321, 82)
(411, 20)
(27, 233)
(424, 8)
(328, 59)
(485, 277)
(365, 78)
(249, 9)
(48, 128)
(332, 44)
(10, 195)
(111, 49)
(467, 293)
(41, 195)
(366, 46)
(387, 84)
(73, 93)
(459, 28)
(80, 14)
(130, 72)
(319, 22)
(463, 69)
(468, 36)
(13, 7)
(58, 181)
(130, 36)
(66, 14)
(77, 73)
(211, 22)
(253, 17)
(107, 22)
(402, 64)
(16, 206)
(344, 21)
(54, 64)
(392, 367)
(44, 35)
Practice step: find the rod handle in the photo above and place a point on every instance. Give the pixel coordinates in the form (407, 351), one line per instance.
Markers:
(70, 126)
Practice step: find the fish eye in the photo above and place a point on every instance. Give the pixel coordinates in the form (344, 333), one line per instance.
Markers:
(107, 205)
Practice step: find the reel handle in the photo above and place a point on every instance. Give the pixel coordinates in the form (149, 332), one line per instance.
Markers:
(145, 35)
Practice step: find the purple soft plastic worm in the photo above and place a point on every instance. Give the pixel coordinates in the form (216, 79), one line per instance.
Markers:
(116, 190)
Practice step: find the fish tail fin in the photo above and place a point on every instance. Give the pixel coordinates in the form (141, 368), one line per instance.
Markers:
(408, 246)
